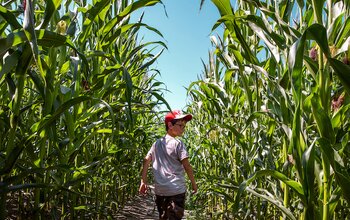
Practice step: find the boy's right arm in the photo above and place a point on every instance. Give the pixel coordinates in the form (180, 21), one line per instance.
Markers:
(143, 186)
(188, 168)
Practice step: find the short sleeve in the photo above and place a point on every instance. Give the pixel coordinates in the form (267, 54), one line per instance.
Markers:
(151, 152)
(182, 151)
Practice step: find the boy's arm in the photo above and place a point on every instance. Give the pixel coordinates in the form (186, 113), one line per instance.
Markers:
(188, 168)
(143, 186)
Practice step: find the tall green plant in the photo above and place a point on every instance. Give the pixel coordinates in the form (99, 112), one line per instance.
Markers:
(281, 87)
(77, 98)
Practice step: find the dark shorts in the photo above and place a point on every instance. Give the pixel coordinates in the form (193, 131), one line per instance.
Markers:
(171, 207)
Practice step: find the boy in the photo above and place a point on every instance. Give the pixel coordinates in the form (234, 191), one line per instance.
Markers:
(170, 159)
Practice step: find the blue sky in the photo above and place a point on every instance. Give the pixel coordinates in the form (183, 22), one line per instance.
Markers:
(186, 32)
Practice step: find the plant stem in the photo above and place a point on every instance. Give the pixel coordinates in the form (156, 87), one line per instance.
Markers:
(326, 175)
(285, 187)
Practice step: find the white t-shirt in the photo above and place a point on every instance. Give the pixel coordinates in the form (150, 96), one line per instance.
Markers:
(169, 174)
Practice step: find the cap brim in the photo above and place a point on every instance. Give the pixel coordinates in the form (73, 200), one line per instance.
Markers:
(187, 117)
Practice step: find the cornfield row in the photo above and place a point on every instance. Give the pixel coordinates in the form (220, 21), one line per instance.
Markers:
(270, 138)
(79, 109)
(78, 103)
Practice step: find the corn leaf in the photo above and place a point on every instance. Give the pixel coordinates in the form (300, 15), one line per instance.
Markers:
(129, 9)
(10, 62)
(308, 164)
(343, 72)
(323, 122)
(341, 174)
(342, 34)
(317, 8)
(295, 60)
(128, 90)
(10, 18)
(223, 6)
(297, 187)
(50, 9)
(91, 14)
(273, 201)
(62, 108)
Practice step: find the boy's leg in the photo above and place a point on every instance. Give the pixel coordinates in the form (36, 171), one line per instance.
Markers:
(176, 206)
(161, 203)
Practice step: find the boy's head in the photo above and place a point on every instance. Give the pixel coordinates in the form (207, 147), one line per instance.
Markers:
(176, 119)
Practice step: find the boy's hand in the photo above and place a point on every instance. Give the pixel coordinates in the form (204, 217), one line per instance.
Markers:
(143, 188)
(194, 188)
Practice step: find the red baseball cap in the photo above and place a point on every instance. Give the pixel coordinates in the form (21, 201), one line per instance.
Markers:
(177, 114)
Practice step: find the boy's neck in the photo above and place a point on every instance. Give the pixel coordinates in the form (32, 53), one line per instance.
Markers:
(171, 134)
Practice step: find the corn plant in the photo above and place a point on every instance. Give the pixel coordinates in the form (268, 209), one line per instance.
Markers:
(78, 105)
(272, 108)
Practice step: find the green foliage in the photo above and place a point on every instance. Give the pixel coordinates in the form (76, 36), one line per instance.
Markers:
(78, 105)
(267, 137)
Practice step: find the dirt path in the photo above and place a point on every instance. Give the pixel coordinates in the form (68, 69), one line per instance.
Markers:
(141, 207)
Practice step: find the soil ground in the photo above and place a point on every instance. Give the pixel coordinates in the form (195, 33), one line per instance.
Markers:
(141, 207)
